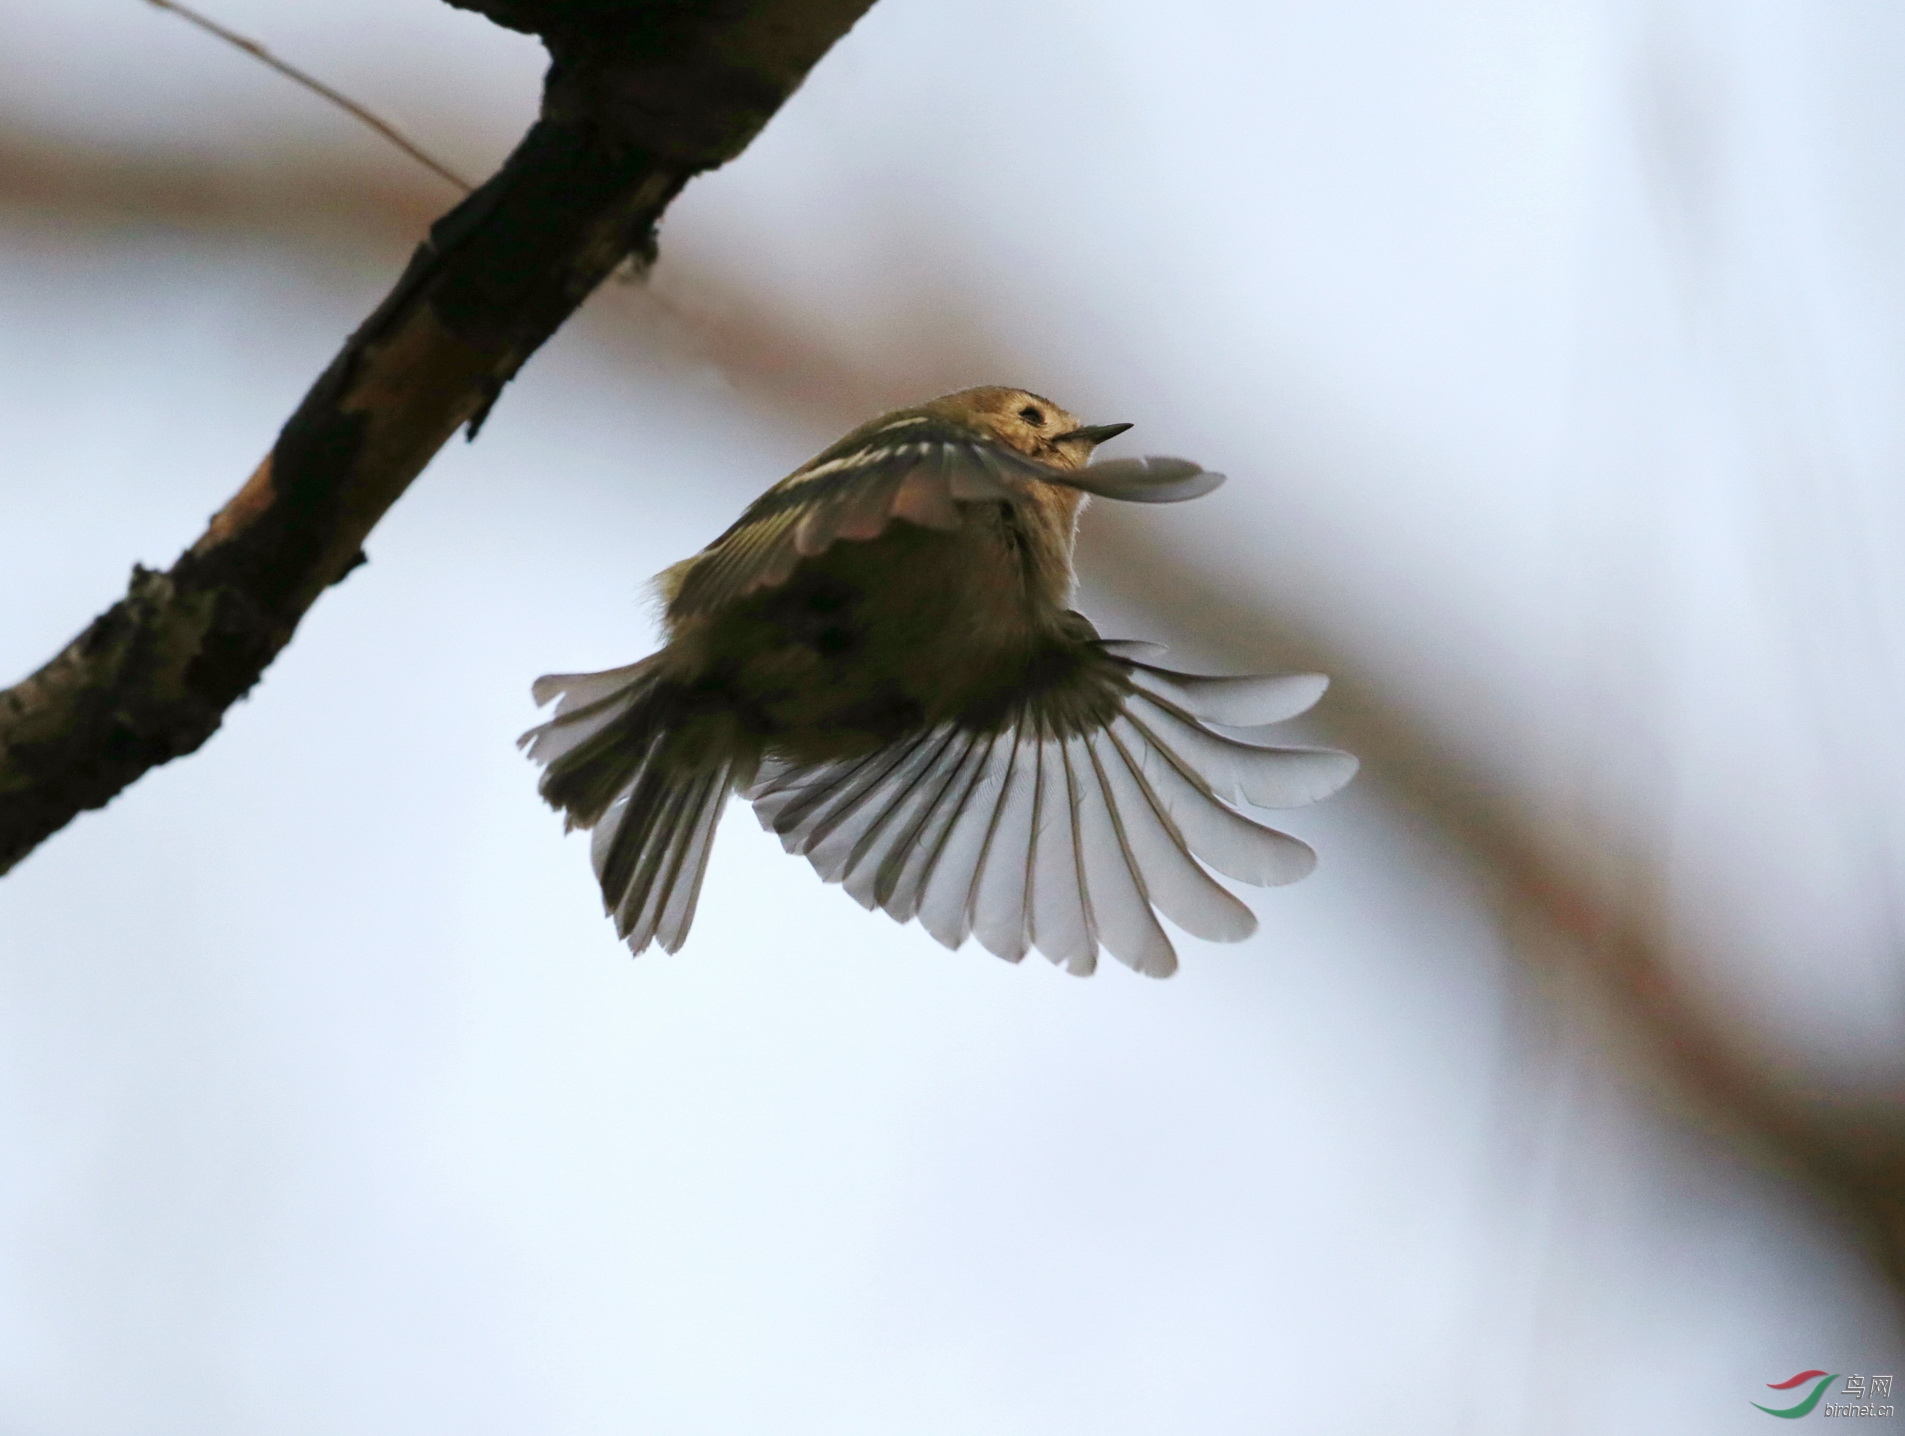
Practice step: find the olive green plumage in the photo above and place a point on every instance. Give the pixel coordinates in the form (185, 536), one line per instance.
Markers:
(881, 655)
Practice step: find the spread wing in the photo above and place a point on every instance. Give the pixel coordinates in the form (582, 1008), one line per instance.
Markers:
(919, 469)
(1152, 480)
(1064, 836)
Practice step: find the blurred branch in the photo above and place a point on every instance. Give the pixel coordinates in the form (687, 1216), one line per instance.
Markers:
(1849, 1146)
(77, 184)
(639, 99)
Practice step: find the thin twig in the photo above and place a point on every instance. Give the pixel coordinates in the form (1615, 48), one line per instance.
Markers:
(319, 88)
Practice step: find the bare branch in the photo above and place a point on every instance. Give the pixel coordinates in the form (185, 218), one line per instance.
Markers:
(640, 98)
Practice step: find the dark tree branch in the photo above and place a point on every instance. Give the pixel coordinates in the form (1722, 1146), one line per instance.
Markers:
(641, 96)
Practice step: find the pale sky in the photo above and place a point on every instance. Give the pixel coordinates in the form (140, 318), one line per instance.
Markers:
(1553, 352)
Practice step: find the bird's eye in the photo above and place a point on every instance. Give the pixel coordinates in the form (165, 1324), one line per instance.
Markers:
(1032, 416)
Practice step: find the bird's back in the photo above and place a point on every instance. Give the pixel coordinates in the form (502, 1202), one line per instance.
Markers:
(881, 657)
(871, 638)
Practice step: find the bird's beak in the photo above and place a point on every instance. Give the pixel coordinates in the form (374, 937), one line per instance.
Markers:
(1094, 433)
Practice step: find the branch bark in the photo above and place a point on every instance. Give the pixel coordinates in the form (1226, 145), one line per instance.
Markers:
(641, 96)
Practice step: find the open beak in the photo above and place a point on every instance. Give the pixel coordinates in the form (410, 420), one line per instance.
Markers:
(1094, 433)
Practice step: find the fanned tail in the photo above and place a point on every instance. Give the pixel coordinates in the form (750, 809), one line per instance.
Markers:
(610, 766)
(1031, 836)
(651, 848)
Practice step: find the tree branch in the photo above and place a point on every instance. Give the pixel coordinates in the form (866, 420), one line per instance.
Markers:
(641, 96)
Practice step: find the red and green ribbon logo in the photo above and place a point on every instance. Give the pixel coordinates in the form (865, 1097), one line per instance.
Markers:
(1804, 1408)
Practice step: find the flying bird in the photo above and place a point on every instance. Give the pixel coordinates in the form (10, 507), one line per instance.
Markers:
(881, 656)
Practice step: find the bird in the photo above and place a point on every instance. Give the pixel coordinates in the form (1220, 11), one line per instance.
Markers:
(881, 656)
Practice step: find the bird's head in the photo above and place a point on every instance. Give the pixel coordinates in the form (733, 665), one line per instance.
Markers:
(1021, 420)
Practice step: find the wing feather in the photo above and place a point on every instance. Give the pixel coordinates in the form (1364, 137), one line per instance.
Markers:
(949, 888)
(924, 496)
(1213, 831)
(999, 909)
(1242, 772)
(906, 871)
(1113, 872)
(919, 470)
(885, 843)
(587, 704)
(651, 850)
(1144, 481)
(1054, 878)
(853, 495)
(1245, 700)
(823, 820)
(855, 846)
(678, 913)
(1035, 837)
(653, 824)
(1180, 888)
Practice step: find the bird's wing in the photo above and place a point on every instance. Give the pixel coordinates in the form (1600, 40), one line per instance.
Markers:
(1150, 480)
(1047, 832)
(919, 469)
(608, 767)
